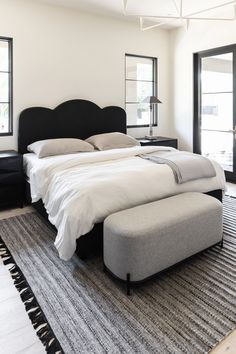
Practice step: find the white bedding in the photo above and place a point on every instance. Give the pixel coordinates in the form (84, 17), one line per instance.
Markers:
(79, 190)
(29, 161)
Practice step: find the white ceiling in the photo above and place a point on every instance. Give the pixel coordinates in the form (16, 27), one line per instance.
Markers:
(147, 8)
(105, 7)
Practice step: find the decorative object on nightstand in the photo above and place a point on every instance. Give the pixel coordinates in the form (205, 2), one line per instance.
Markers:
(159, 141)
(151, 100)
(11, 178)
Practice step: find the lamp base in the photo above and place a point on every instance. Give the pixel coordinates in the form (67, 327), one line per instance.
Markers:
(151, 137)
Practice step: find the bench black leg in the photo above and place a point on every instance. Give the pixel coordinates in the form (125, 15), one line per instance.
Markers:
(222, 243)
(128, 284)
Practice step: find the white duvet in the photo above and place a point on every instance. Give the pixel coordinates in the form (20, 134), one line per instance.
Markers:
(79, 190)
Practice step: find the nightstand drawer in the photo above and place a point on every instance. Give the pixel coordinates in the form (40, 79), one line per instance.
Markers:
(10, 164)
(170, 143)
(160, 141)
(10, 178)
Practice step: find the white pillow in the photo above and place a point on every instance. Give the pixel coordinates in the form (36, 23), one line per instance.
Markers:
(51, 147)
(112, 141)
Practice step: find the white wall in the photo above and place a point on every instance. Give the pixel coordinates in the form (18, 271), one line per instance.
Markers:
(200, 36)
(61, 54)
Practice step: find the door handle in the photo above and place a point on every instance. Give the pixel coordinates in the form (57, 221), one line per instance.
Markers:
(232, 130)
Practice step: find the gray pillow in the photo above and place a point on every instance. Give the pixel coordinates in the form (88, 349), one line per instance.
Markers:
(112, 141)
(51, 147)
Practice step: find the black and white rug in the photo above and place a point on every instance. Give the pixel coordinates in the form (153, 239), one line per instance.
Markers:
(76, 308)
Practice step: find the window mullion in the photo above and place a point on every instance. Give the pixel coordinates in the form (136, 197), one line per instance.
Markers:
(6, 104)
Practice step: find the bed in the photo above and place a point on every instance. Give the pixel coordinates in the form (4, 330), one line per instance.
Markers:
(81, 119)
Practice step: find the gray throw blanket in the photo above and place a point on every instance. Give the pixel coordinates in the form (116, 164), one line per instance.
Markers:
(185, 165)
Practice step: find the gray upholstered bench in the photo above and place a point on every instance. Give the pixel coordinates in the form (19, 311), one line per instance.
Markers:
(144, 240)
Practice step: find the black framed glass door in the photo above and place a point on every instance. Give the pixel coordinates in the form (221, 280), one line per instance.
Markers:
(214, 106)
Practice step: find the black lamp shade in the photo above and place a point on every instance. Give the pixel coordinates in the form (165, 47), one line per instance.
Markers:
(151, 100)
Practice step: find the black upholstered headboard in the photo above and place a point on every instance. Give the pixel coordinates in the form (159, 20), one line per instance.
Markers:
(71, 119)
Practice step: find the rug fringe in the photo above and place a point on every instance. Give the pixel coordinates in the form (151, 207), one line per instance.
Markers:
(35, 313)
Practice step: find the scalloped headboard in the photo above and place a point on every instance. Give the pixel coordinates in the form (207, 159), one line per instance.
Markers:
(71, 119)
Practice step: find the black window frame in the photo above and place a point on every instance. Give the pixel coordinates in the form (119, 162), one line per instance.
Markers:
(10, 93)
(154, 82)
(197, 93)
(197, 67)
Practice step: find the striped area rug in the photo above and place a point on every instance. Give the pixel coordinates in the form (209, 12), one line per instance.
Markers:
(188, 309)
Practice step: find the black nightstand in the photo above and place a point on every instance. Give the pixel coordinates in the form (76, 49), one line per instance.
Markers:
(11, 178)
(160, 141)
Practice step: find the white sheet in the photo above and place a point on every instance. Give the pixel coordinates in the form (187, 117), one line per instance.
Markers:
(29, 160)
(79, 190)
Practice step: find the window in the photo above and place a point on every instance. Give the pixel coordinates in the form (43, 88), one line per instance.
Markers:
(140, 82)
(5, 86)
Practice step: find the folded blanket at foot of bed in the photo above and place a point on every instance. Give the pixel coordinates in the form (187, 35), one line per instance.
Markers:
(186, 166)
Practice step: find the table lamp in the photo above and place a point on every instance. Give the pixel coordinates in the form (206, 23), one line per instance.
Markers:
(151, 100)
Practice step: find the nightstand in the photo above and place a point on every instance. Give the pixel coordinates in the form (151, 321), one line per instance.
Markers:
(11, 178)
(160, 141)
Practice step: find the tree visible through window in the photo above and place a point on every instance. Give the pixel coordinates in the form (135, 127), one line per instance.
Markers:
(5, 86)
(140, 82)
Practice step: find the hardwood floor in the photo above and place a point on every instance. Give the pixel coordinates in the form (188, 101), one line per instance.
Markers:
(16, 332)
(19, 336)
(227, 346)
(231, 190)
(14, 212)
